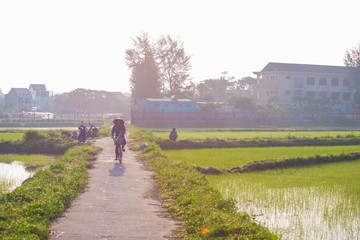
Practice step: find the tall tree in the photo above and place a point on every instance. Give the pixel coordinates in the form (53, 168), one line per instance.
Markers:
(214, 89)
(174, 65)
(247, 84)
(144, 80)
(352, 61)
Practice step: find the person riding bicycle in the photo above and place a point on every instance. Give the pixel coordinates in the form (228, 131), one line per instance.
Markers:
(117, 133)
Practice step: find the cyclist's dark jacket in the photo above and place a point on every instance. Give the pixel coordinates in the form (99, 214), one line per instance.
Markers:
(118, 129)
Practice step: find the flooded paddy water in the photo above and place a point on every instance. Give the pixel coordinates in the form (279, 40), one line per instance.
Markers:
(319, 202)
(12, 175)
(302, 213)
(16, 168)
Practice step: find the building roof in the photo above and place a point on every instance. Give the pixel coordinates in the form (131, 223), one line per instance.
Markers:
(308, 68)
(20, 91)
(37, 86)
(168, 100)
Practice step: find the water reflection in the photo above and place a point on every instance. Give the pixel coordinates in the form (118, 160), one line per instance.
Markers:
(12, 175)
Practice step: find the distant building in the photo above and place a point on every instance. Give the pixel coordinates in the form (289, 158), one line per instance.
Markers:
(18, 99)
(2, 100)
(21, 99)
(284, 81)
(165, 105)
(40, 95)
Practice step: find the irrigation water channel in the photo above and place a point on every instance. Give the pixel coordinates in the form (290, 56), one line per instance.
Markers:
(12, 175)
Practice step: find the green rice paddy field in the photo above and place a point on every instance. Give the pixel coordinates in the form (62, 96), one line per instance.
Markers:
(311, 202)
(225, 158)
(11, 136)
(236, 134)
(28, 159)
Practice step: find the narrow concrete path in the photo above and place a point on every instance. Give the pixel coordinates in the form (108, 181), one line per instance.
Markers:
(118, 203)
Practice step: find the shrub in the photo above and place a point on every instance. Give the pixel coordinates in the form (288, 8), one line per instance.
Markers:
(37, 142)
(32, 135)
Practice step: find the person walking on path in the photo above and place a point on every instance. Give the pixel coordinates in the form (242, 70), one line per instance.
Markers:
(118, 134)
(119, 202)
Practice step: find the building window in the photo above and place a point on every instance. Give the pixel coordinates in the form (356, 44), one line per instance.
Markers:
(322, 95)
(297, 92)
(287, 77)
(346, 96)
(310, 94)
(322, 81)
(298, 82)
(310, 81)
(335, 96)
(287, 92)
(346, 82)
(335, 82)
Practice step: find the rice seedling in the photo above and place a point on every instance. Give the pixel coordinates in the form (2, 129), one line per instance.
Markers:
(314, 202)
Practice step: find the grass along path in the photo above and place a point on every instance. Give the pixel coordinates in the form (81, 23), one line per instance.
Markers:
(26, 212)
(226, 158)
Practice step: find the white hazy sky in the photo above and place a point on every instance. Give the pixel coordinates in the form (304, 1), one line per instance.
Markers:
(71, 44)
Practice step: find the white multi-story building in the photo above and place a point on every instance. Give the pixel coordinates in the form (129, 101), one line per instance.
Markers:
(284, 81)
(40, 95)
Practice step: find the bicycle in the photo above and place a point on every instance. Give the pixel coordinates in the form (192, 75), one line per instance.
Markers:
(118, 141)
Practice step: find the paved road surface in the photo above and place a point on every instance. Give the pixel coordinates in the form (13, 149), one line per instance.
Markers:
(117, 203)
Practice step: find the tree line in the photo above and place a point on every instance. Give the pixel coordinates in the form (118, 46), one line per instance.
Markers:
(161, 68)
(84, 101)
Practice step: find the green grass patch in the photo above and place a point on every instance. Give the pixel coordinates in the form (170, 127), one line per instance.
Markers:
(226, 158)
(105, 130)
(11, 136)
(27, 212)
(188, 197)
(315, 202)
